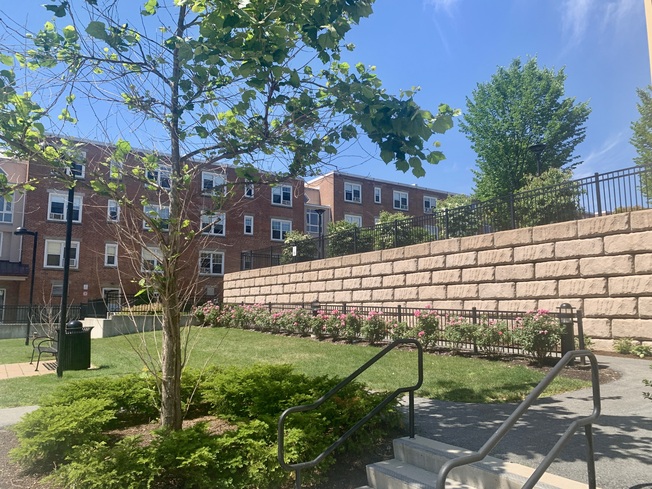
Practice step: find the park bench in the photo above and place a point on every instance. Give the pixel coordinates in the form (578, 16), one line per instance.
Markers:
(41, 345)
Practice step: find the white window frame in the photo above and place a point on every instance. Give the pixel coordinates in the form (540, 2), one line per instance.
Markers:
(216, 180)
(6, 210)
(280, 224)
(160, 210)
(310, 227)
(111, 251)
(353, 219)
(74, 245)
(279, 196)
(210, 223)
(150, 254)
(429, 204)
(249, 218)
(378, 195)
(399, 196)
(112, 204)
(249, 190)
(78, 168)
(160, 176)
(350, 190)
(77, 205)
(56, 290)
(211, 256)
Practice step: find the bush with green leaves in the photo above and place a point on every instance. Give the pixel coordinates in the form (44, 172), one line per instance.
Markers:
(538, 333)
(459, 331)
(397, 229)
(642, 351)
(374, 327)
(624, 346)
(346, 238)
(78, 436)
(399, 330)
(298, 246)
(492, 335)
(427, 327)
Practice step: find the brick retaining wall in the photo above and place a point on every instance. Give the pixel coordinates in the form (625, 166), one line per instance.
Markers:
(601, 265)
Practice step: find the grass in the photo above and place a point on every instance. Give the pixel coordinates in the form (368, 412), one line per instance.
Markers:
(445, 377)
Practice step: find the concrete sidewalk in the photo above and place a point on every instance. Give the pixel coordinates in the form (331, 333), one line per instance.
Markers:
(11, 370)
(622, 435)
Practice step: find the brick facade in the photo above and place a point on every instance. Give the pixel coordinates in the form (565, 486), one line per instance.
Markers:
(601, 265)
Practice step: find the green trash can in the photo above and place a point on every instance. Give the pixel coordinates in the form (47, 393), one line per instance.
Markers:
(75, 349)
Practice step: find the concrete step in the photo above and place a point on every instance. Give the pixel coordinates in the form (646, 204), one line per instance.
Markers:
(417, 461)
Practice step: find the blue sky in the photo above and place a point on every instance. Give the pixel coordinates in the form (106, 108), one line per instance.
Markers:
(447, 47)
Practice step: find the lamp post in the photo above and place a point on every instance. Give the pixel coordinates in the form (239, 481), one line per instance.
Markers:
(537, 149)
(21, 231)
(66, 277)
(320, 214)
(567, 336)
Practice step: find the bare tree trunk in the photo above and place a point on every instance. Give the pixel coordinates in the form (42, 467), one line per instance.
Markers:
(171, 414)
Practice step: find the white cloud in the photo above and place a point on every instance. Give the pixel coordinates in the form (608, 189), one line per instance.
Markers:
(575, 18)
(607, 157)
(443, 5)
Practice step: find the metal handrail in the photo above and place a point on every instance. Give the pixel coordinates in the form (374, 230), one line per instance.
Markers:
(522, 408)
(297, 467)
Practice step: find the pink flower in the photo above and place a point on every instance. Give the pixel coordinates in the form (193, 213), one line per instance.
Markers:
(421, 333)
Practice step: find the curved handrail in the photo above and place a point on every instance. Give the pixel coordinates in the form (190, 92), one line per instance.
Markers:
(522, 408)
(297, 467)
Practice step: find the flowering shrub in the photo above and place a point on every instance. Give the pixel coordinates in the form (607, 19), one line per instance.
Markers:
(491, 335)
(538, 333)
(334, 324)
(400, 330)
(374, 328)
(351, 325)
(427, 328)
(459, 331)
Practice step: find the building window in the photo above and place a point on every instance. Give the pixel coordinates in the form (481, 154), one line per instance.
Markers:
(211, 262)
(249, 190)
(112, 211)
(400, 200)
(312, 221)
(57, 204)
(57, 290)
(213, 183)
(280, 228)
(78, 167)
(377, 195)
(54, 251)
(151, 259)
(159, 216)
(429, 204)
(282, 195)
(214, 224)
(6, 211)
(352, 218)
(160, 176)
(249, 225)
(110, 255)
(115, 170)
(352, 192)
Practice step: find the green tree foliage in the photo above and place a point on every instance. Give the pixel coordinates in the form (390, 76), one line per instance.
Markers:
(520, 106)
(252, 83)
(642, 138)
(457, 217)
(299, 246)
(345, 238)
(547, 199)
(396, 229)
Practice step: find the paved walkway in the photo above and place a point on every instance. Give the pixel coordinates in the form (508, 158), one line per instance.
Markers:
(622, 435)
(11, 370)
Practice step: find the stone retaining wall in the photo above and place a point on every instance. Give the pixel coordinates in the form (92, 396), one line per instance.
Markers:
(601, 265)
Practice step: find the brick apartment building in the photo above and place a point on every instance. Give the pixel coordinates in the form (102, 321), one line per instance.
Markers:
(255, 216)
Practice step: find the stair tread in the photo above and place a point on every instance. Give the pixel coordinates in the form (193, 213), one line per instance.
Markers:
(411, 476)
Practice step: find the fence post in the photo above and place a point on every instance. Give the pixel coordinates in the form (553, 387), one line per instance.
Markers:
(474, 321)
(355, 240)
(511, 210)
(343, 307)
(580, 333)
(446, 223)
(269, 306)
(400, 314)
(598, 196)
(396, 233)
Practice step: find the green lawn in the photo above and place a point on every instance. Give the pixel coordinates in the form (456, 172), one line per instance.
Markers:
(445, 377)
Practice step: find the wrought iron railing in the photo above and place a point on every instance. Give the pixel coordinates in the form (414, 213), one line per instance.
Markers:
(598, 195)
(298, 467)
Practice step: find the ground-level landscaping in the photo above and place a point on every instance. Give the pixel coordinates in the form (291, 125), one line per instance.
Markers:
(109, 410)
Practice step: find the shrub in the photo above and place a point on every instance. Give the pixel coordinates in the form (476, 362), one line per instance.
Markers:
(427, 328)
(492, 335)
(400, 330)
(642, 351)
(345, 238)
(458, 332)
(396, 229)
(374, 328)
(538, 334)
(624, 346)
(298, 247)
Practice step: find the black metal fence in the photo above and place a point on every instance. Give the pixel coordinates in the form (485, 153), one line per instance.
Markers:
(39, 314)
(598, 195)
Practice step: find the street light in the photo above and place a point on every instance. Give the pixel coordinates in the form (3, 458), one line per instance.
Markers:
(21, 231)
(320, 215)
(537, 149)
